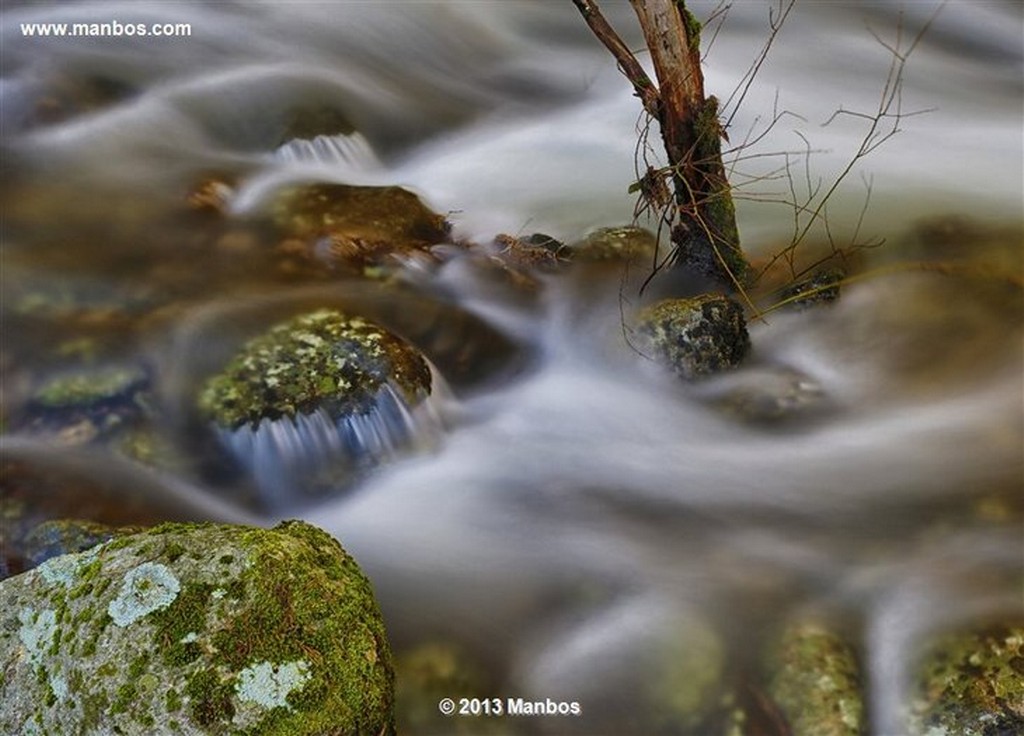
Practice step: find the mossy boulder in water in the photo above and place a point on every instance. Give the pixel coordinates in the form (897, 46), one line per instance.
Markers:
(196, 629)
(814, 680)
(971, 684)
(317, 397)
(695, 337)
(324, 360)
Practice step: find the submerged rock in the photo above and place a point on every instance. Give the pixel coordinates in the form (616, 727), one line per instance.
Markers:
(315, 397)
(814, 680)
(971, 684)
(695, 337)
(309, 121)
(430, 672)
(78, 407)
(771, 397)
(66, 536)
(196, 629)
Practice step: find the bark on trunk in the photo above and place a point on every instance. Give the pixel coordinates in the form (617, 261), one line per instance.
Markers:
(705, 236)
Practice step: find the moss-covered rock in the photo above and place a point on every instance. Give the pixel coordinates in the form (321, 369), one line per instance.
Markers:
(695, 337)
(322, 360)
(309, 406)
(971, 684)
(814, 679)
(196, 629)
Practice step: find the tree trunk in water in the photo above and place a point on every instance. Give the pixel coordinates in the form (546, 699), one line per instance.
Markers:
(705, 236)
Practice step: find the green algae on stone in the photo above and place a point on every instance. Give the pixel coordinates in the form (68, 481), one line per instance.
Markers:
(197, 629)
(322, 360)
(82, 390)
(695, 336)
(814, 679)
(971, 684)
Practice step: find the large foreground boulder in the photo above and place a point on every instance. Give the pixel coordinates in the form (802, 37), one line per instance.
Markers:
(196, 629)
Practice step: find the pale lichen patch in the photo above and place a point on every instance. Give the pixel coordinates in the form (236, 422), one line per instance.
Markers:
(149, 587)
(65, 568)
(37, 632)
(269, 685)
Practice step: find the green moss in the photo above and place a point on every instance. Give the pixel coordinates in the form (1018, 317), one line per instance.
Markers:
(138, 666)
(693, 26)
(972, 684)
(124, 697)
(172, 701)
(173, 551)
(718, 209)
(320, 360)
(186, 615)
(815, 681)
(210, 698)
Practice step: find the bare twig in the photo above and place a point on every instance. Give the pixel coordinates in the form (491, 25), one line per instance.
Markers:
(642, 84)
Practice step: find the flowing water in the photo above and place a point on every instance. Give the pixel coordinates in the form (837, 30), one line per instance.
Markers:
(582, 516)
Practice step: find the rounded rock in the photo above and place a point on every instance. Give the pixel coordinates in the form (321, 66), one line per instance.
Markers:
(815, 681)
(196, 629)
(971, 684)
(696, 336)
(322, 360)
(615, 244)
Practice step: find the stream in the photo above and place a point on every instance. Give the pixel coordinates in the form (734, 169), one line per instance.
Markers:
(581, 524)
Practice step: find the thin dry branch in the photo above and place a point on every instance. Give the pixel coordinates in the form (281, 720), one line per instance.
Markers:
(748, 78)
(642, 85)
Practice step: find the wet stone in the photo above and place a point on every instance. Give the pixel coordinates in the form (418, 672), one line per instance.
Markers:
(769, 396)
(78, 407)
(695, 337)
(309, 121)
(820, 288)
(814, 680)
(971, 684)
(316, 397)
(66, 536)
(337, 224)
(196, 629)
(615, 244)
